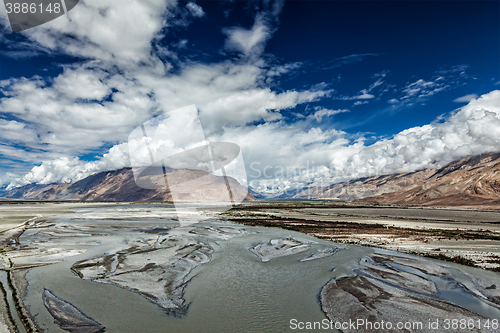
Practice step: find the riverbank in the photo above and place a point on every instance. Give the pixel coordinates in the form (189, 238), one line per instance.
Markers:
(467, 237)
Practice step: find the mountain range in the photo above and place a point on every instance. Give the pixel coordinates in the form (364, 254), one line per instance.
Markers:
(472, 182)
(120, 185)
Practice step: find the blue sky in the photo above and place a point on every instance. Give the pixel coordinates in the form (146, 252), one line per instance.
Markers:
(346, 44)
(334, 89)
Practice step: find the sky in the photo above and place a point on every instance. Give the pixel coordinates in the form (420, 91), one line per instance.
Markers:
(313, 92)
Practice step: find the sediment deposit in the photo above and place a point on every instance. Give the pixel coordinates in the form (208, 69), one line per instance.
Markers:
(68, 317)
(380, 292)
(323, 253)
(158, 271)
(276, 248)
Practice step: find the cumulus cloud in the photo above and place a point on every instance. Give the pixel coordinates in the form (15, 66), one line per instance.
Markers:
(121, 82)
(294, 157)
(69, 125)
(70, 169)
(86, 107)
(282, 156)
(97, 102)
(73, 114)
(115, 30)
(466, 98)
(80, 83)
(472, 130)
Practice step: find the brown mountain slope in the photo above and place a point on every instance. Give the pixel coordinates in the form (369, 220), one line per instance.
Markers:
(366, 187)
(32, 191)
(119, 185)
(471, 182)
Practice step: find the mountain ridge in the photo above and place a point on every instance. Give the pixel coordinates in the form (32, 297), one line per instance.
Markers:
(120, 185)
(366, 186)
(471, 182)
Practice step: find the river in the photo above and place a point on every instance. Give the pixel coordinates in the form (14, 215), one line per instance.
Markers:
(234, 292)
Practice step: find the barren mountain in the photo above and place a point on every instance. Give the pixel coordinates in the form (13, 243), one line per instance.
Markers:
(120, 185)
(470, 182)
(366, 187)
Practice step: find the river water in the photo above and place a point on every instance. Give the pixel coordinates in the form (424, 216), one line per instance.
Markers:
(234, 292)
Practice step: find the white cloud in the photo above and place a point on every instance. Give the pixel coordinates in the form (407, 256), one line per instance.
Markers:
(466, 98)
(249, 41)
(81, 83)
(195, 10)
(59, 118)
(283, 69)
(116, 30)
(422, 88)
(288, 156)
(417, 91)
(442, 80)
(16, 131)
(66, 170)
(326, 157)
(97, 103)
(322, 112)
(72, 117)
(365, 95)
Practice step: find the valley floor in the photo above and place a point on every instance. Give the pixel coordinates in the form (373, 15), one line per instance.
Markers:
(469, 237)
(126, 267)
